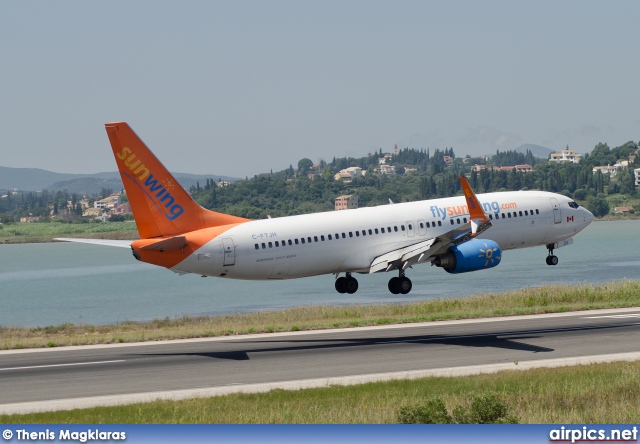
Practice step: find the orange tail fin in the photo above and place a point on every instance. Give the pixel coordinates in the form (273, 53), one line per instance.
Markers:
(161, 207)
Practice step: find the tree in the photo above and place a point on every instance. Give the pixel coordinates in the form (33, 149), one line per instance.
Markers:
(304, 165)
(598, 206)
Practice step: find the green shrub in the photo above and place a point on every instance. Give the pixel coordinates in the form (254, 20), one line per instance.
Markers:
(432, 412)
(488, 409)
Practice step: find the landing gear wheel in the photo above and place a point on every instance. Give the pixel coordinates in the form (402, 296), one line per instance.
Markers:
(394, 285)
(551, 258)
(405, 285)
(341, 285)
(352, 285)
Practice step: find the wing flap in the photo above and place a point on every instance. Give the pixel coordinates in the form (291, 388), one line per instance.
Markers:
(395, 259)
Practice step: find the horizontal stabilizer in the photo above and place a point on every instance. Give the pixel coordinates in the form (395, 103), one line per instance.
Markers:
(103, 242)
(173, 243)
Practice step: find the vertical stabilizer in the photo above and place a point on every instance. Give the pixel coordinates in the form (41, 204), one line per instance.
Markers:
(160, 206)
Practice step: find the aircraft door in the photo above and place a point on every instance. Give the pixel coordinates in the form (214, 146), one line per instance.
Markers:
(411, 226)
(422, 227)
(229, 251)
(557, 217)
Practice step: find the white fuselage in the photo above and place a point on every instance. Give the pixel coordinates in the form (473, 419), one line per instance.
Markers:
(348, 241)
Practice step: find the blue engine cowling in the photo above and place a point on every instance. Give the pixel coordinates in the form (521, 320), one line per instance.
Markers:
(476, 254)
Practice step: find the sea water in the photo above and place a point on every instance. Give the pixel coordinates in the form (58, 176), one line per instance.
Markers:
(55, 283)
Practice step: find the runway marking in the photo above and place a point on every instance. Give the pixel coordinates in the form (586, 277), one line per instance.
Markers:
(509, 333)
(632, 315)
(60, 365)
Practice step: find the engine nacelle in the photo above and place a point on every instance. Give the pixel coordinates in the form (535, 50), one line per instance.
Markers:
(476, 254)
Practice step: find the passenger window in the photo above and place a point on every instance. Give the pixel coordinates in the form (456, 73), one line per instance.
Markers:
(503, 216)
(277, 244)
(509, 215)
(315, 239)
(410, 227)
(520, 213)
(290, 242)
(428, 225)
(421, 225)
(402, 227)
(296, 241)
(322, 238)
(370, 232)
(537, 211)
(377, 231)
(364, 232)
(270, 245)
(464, 220)
(328, 236)
(439, 223)
(309, 239)
(337, 236)
(344, 235)
(395, 228)
(526, 212)
(389, 229)
(263, 245)
(350, 234)
(257, 247)
(382, 229)
(458, 220)
(302, 240)
(451, 221)
(491, 216)
(357, 233)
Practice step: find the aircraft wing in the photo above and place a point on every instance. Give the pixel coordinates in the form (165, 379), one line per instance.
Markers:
(104, 242)
(426, 250)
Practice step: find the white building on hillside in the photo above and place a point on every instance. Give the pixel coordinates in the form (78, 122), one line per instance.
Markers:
(566, 155)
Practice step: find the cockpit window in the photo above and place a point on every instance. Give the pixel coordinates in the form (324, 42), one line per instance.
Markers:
(572, 204)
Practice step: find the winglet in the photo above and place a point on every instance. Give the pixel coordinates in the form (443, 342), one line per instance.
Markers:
(476, 213)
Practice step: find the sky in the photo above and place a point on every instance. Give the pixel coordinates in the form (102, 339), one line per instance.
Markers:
(239, 88)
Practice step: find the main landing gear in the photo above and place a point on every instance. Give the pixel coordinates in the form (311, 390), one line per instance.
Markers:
(400, 284)
(551, 258)
(397, 285)
(346, 284)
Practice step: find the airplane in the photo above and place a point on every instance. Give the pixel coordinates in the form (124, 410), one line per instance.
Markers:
(459, 234)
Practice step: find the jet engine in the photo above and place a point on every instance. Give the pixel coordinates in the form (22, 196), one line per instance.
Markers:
(476, 254)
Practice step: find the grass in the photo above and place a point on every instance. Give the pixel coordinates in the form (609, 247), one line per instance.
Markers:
(45, 232)
(599, 393)
(545, 299)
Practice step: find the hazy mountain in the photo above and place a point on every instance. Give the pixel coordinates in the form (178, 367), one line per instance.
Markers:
(538, 151)
(33, 179)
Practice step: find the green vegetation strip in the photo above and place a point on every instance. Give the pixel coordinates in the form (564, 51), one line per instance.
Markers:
(546, 299)
(599, 393)
(45, 232)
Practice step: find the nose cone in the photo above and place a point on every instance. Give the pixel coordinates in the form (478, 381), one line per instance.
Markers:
(588, 217)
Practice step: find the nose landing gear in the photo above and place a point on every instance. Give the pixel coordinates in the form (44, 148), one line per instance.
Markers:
(551, 258)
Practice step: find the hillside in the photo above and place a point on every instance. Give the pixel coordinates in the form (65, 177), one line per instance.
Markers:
(34, 179)
(538, 151)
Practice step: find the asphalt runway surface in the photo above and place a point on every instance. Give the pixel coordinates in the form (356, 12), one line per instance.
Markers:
(47, 379)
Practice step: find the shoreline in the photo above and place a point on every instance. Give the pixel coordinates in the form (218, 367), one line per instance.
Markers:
(119, 234)
(526, 301)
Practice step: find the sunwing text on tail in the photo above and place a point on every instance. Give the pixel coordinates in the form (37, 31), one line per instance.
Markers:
(460, 234)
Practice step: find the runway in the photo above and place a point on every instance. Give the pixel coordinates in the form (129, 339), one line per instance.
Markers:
(71, 377)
